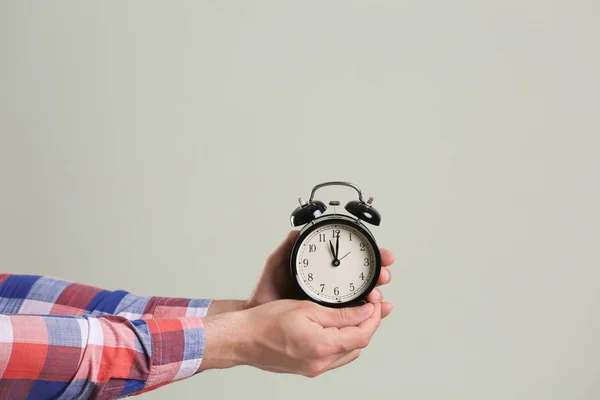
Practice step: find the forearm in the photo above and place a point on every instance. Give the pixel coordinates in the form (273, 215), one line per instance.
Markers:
(86, 357)
(43, 295)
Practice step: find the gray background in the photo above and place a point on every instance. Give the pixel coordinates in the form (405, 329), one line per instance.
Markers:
(160, 147)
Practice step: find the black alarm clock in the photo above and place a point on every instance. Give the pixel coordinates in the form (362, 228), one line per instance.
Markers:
(335, 261)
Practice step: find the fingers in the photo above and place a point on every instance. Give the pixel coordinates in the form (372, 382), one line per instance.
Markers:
(370, 325)
(385, 276)
(347, 358)
(387, 257)
(386, 309)
(340, 317)
(358, 337)
(376, 296)
(339, 347)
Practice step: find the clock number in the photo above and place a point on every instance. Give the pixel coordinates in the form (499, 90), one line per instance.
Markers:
(312, 248)
(305, 262)
(362, 247)
(336, 233)
(322, 237)
(352, 287)
(336, 291)
(366, 262)
(322, 287)
(350, 233)
(310, 277)
(362, 276)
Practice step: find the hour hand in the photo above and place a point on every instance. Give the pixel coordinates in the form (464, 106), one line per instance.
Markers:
(335, 261)
(332, 250)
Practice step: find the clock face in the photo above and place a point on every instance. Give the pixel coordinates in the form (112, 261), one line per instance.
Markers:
(336, 263)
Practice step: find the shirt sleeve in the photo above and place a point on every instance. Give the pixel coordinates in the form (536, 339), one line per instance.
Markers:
(108, 357)
(43, 295)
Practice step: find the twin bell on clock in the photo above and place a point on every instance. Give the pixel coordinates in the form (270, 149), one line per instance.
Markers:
(335, 260)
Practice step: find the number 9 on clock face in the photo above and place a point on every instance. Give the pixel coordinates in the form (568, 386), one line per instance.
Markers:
(336, 262)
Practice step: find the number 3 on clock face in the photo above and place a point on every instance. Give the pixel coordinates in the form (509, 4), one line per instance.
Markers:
(336, 262)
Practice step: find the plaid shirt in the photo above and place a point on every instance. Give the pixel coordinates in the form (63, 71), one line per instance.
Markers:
(64, 340)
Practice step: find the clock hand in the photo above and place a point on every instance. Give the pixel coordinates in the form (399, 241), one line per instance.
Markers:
(344, 256)
(335, 261)
(332, 250)
(337, 246)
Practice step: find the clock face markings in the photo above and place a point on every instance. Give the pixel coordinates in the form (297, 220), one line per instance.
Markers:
(336, 263)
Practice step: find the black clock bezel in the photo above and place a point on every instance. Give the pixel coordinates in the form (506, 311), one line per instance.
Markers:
(339, 220)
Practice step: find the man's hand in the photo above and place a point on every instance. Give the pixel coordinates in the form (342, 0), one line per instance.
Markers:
(275, 281)
(289, 336)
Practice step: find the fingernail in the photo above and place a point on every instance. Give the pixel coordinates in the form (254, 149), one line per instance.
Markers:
(385, 275)
(376, 294)
(387, 312)
(365, 308)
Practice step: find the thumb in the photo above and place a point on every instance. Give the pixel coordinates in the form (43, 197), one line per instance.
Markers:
(340, 317)
(285, 247)
(289, 240)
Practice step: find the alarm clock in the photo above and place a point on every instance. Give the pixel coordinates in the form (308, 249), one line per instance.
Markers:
(335, 260)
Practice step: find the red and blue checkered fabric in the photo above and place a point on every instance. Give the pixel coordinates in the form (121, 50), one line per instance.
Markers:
(65, 340)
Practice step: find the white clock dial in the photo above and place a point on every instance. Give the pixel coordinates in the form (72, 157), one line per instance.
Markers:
(328, 278)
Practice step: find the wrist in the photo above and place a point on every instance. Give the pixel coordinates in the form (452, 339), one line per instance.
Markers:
(225, 339)
(223, 306)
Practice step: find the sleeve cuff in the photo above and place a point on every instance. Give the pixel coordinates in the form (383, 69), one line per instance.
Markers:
(177, 349)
